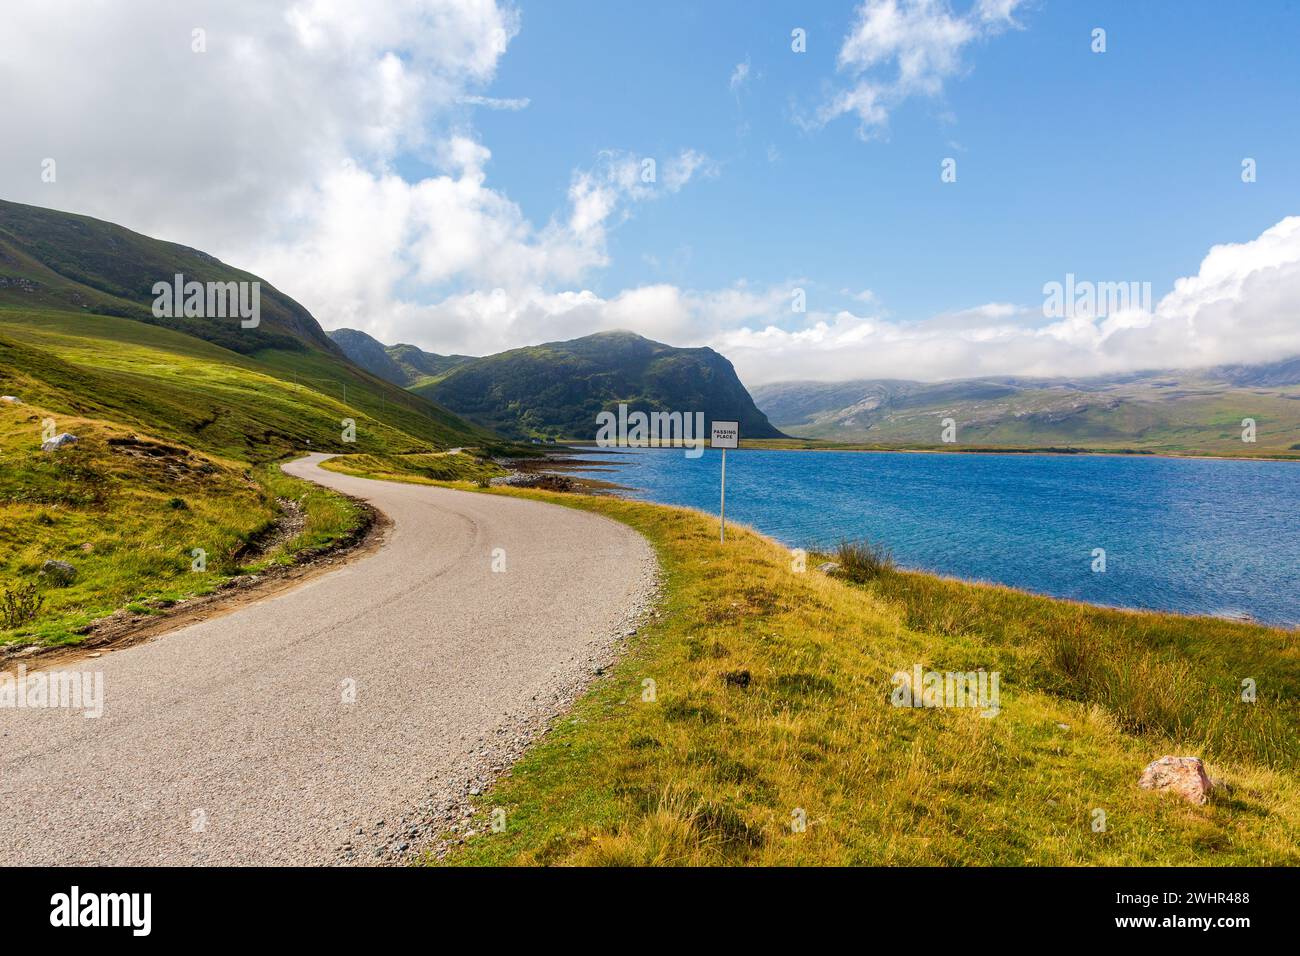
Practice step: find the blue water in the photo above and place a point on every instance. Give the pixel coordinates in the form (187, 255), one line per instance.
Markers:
(1198, 536)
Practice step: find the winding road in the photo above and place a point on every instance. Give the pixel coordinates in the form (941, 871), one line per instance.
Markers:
(340, 721)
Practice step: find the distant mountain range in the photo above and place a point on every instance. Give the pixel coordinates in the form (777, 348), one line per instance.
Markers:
(556, 390)
(1196, 410)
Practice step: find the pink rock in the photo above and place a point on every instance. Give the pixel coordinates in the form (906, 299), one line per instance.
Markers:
(1185, 776)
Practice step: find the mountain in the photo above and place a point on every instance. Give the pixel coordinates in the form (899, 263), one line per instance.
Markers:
(1180, 410)
(369, 353)
(77, 325)
(403, 365)
(555, 390)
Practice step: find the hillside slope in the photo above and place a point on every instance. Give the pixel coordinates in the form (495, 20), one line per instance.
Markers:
(52, 259)
(556, 390)
(83, 279)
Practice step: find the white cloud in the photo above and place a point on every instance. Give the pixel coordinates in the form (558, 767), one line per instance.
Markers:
(277, 148)
(897, 49)
(204, 147)
(1239, 307)
(497, 103)
(739, 77)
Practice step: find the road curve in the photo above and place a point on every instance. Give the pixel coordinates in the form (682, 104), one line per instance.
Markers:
(230, 741)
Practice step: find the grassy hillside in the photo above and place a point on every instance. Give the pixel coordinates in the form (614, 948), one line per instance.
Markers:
(127, 510)
(557, 389)
(57, 260)
(771, 703)
(1167, 412)
(177, 443)
(198, 393)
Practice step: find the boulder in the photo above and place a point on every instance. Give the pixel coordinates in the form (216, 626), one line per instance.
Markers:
(11, 399)
(828, 568)
(1184, 776)
(58, 441)
(60, 572)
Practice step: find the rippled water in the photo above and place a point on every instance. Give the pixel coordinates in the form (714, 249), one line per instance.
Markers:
(1199, 536)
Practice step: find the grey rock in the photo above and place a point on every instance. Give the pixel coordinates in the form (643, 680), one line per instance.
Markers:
(58, 441)
(60, 572)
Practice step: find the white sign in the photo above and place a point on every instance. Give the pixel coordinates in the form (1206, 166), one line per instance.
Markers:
(725, 435)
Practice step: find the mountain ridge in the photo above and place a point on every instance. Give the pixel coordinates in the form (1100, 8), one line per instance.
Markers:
(555, 390)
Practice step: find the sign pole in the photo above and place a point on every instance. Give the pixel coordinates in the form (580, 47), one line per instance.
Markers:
(724, 435)
(722, 511)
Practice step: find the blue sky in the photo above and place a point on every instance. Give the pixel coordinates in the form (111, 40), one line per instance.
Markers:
(1124, 164)
(464, 174)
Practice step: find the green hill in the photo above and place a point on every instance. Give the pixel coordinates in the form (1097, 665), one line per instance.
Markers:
(556, 390)
(76, 295)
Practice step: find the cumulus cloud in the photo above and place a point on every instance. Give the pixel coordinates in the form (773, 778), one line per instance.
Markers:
(1238, 307)
(195, 121)
(898, 49)
(272, 135)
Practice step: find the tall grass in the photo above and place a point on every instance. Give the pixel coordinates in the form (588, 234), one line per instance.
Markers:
(1165, 675)
(861, 561)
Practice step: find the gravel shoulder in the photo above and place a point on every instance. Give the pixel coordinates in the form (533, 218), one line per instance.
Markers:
(347, 720)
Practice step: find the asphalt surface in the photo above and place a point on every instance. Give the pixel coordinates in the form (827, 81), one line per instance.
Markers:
(234, 740)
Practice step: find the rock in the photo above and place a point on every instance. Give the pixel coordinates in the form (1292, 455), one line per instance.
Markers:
(1185, 776)
(828, 567)
(58, 441)
(11, 399)
(60, 572)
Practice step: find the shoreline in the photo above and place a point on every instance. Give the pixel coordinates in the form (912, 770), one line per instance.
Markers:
(564, 464)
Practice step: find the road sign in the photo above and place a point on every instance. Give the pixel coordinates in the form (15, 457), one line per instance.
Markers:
(725, 435)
